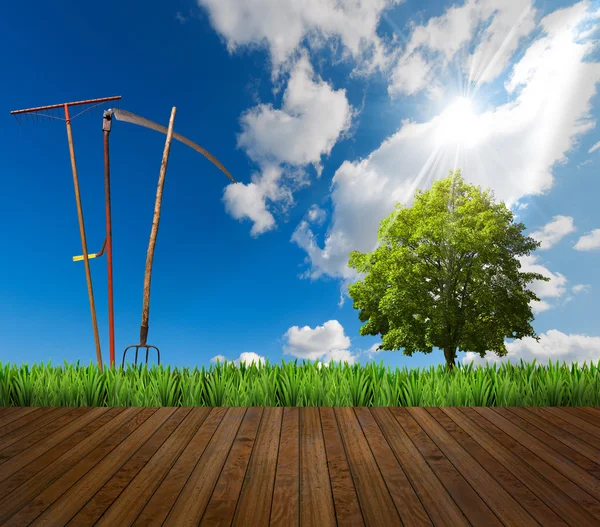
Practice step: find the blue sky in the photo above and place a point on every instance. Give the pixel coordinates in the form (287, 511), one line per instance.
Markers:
(326, 113)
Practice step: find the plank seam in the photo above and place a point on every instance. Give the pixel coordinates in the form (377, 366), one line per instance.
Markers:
(563, 458)
(197, 461)
(142, 468)
(328, 472)
(349, 467)
(260, 425)
(552, 483)
(120, 467)
(224, 463)
(74, 465)
(449, 461)
(379, 468)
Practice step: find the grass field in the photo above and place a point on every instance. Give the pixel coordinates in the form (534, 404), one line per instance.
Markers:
(305, 384)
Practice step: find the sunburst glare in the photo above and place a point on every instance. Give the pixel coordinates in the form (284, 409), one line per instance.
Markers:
(458, 124)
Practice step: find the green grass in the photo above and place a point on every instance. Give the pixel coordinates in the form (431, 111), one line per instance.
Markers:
(293, 384)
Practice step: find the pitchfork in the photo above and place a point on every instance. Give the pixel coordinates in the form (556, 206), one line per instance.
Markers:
(150, 255)
(126, 116)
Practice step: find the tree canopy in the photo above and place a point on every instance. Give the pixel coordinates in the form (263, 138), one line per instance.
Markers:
(446, 274)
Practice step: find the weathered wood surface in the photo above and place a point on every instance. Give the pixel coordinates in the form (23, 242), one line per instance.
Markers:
(300, 466)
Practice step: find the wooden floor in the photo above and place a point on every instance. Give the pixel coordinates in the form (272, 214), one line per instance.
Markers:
(300, 466)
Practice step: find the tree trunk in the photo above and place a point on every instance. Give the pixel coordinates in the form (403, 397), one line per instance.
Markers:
(450, 355)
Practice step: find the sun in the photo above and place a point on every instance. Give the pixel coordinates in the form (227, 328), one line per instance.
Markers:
(457, 124)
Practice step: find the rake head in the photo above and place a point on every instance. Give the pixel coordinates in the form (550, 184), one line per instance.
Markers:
(58, 111)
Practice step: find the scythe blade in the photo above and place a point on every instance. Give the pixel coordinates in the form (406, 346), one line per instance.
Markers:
(124, 115)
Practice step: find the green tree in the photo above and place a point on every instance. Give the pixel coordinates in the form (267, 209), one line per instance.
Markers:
(446, 274)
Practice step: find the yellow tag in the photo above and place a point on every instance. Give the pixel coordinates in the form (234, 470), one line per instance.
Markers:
(80, 258)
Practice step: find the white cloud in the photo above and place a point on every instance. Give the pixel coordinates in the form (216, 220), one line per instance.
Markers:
(447, 35)
(555, 288)
(540, 306)
(594, 148)
(312, 118)
(411, 74)
(283, 25)
(551, 233)
(374, 348)
(337, 356)
(218, 358)
(373, 351)
(248, 357)
(511, 21)
(553, 345)
(586, 162)
(322, 343)
(250, 200)
(588, 241)
(315, 214)
(579, 288)
(515, 146)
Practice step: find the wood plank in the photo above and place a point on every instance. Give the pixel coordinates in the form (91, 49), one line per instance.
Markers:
(564, 443)
(35, 467)
(128, 506)
(112, 495)
(24, 418)
(161, 502)
(6, 410)
(568, 415)
(518, 490)
(438, 503)
(345, 499)
(506, 508)
(582, 436)
(73, 461)
(300, 466)
(544, 481)
(254, 506)
(575, 473)
(316, 499)
(191, 503)
(21, 439)
(17, 413)
(14, 464)
(583, 413)
(471, 504)
(60, 506)
(285, 509)
(222, 504)
(593, 410)
(407, 502)
(375, 501)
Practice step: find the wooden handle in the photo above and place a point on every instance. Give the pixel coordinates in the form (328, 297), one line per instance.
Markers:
(154, 231)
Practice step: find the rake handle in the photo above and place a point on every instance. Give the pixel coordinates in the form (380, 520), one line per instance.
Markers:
(86, 263)
(154, 231)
